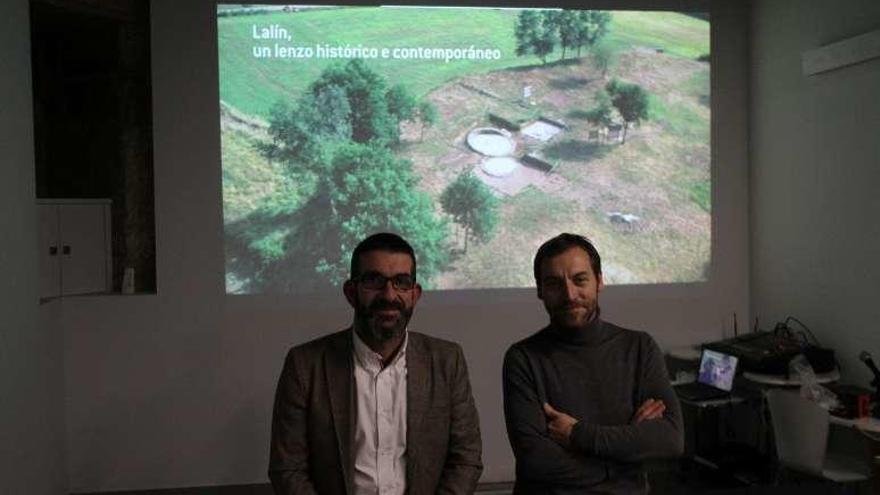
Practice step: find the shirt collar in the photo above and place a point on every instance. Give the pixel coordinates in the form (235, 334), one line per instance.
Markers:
(372, 360)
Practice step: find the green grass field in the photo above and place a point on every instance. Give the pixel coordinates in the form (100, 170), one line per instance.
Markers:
(674, 33)
(252, 85)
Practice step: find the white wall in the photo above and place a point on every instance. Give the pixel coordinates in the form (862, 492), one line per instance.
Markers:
(815, 172)
(31, 396)
(176, 389)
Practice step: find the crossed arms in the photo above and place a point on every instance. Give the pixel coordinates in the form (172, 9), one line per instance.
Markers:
(555, 447)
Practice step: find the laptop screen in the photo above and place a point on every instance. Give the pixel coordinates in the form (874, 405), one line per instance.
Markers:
(717, 369)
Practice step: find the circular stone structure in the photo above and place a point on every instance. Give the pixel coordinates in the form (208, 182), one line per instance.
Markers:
(499, 166)
(489, 141)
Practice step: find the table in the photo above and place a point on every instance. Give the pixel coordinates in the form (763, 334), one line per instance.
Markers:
(870, 429)
(703, 404)
(686, 353)
(783, 381)
(870, 424)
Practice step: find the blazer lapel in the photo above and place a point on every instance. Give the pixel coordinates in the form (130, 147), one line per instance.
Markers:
(339, 378)
(417, 392)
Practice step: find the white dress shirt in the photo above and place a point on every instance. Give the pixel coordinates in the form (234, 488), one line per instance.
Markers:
(380, 432)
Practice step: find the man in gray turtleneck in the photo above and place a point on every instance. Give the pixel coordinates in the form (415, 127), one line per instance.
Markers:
(585, 401)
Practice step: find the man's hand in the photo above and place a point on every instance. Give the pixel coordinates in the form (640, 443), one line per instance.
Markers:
(650, 409)
(559, 425)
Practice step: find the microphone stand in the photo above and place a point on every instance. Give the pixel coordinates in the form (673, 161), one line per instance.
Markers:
(865, 357)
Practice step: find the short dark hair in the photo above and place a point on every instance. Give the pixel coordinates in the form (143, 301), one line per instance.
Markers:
(383, 241)
(562, 243)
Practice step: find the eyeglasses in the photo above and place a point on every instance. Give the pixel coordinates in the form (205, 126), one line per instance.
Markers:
(377, 281)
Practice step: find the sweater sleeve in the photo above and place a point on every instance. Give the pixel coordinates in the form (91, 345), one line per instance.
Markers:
(657, 438)
(538, 457)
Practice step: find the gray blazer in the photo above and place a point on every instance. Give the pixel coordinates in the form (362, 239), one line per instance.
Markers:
(313, 421)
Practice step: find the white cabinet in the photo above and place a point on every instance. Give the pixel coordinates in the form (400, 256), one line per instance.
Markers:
(75, 246)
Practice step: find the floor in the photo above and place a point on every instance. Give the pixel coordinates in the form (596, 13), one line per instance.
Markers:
(672, 482)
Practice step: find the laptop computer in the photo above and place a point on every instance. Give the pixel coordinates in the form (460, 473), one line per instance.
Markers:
(715, 377)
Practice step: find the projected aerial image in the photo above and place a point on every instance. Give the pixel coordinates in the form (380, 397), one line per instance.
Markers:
(476, 134)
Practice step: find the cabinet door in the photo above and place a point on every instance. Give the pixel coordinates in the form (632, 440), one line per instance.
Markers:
(84, 234)
(50, 252)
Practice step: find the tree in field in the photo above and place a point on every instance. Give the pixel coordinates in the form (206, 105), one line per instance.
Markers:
(591, 27)
(567, 24)
(329, 112)
(401, 104)
(545, 42)
(472, 205)
(528, 24)
(603, 57)
(366, 189)
(427, 116)
(366, 91)
(535, 34)
(302, 137)
(630, 100)
(348, 102)
(600, 114)
(289, 134)
(370, 190)
(337, 138)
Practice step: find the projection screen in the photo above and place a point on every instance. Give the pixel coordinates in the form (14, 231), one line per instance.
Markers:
(476, 133)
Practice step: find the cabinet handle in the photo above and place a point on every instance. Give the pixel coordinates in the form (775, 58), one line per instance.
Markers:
(65, 249)
(53, 250)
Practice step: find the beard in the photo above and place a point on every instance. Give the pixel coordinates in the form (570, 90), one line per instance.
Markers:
(574, 316)
(382, 327)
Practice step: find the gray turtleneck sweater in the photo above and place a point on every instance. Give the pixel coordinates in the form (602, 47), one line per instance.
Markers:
(600, 375)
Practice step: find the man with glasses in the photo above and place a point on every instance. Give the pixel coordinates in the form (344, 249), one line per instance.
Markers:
(586, 401)
(376, 408)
